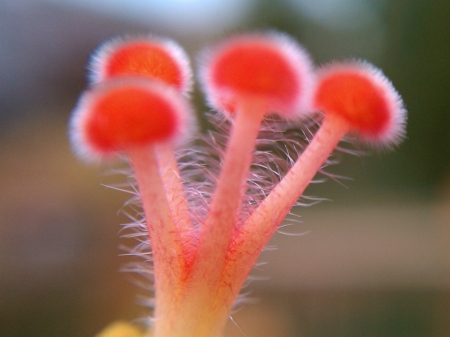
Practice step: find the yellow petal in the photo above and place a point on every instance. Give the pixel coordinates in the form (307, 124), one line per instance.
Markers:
(120, 329)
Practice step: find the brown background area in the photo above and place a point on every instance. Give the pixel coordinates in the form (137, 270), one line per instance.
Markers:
(375, 261)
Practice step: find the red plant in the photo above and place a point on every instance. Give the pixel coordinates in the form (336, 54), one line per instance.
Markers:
(206, 233)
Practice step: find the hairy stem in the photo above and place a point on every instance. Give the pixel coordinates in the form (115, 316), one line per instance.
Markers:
(168, 259)
(221, 219)
(173, 186)
(251, 238)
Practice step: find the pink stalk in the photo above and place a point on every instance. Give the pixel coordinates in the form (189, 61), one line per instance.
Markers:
(355, 97)
(160, 59)
(173, 186)
(201, 313)
(170, 257)
(138, 116)
(164, 235)
(257, 230)
(216, 232)
(245, 77)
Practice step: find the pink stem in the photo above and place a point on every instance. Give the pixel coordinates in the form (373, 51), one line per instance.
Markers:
(264, 221)
(173, 186)
(179, 310)
(164, 238)
(221, 220)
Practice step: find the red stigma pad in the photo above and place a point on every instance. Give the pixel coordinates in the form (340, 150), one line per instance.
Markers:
(120, 114)
(269, 68)
(146, 60)
(356, 99)
(256, 69)
(155, 58)
(129, 116)
(360, 94)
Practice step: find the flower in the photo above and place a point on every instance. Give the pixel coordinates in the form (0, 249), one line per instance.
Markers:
(207, 220)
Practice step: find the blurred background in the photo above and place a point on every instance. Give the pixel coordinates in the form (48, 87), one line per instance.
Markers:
(375, 260)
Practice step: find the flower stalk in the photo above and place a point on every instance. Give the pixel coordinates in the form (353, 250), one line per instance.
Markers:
(137, 104)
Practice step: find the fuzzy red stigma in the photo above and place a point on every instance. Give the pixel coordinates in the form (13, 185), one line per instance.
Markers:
(158, 59)
(127, 117)
(364, 97)
(269, 68)
(120, 114)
